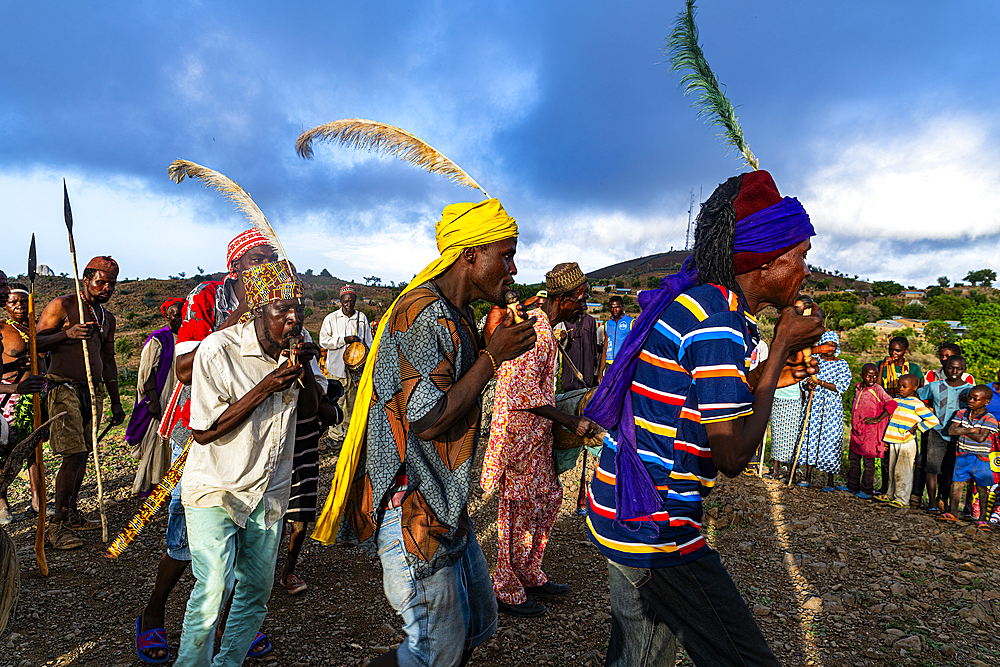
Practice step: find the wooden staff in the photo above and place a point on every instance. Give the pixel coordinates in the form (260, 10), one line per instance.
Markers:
(68, 215)
(36, 404)
(807, 357)
(763, 448)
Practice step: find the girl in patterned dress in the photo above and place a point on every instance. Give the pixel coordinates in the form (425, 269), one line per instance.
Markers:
(823, 439)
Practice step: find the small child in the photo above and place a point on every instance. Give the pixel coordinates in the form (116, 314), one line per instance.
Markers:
(977, 432)
(869, 417)
(909, 416)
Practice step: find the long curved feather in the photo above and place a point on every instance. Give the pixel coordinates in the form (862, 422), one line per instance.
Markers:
(686, 54)
(179, 169)
(388, 139)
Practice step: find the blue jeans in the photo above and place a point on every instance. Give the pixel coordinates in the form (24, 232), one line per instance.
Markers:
(221, 553)
(695, 603)
(177, 538)
(444, 615)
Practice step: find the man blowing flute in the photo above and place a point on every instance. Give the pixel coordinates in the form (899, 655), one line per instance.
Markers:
(688, 406)
(60, 333)
(408, 501)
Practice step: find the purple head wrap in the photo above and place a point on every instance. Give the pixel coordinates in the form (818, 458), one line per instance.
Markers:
(779, 226)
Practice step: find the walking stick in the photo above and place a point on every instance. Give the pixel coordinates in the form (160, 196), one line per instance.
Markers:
(36, 404)
(581, 496)
(68, 215)
(794, 464)
(763, 448)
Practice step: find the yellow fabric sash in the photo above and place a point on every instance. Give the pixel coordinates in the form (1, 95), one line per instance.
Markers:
(461, 226)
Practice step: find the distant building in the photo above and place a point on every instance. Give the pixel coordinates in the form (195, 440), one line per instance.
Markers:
(913, 294)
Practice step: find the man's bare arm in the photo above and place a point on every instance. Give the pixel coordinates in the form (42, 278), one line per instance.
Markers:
(109, 373)
(50, 332)
(508, 341)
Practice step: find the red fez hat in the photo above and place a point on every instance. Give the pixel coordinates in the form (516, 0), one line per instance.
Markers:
(104, 263)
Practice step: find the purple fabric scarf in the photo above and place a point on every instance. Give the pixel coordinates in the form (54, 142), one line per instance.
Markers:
(636, 496)
(140, 420)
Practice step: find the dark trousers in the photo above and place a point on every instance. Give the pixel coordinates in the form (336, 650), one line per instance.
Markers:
(696, 604)
(855, 480)
(919, 475)
(886, 473)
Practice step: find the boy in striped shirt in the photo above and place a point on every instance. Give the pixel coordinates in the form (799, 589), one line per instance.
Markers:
(977, 431)
(909, 416)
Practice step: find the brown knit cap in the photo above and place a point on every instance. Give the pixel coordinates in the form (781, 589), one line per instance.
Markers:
(563, 278)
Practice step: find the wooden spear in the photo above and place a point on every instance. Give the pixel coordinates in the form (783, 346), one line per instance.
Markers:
(68, 215)
(36, 404)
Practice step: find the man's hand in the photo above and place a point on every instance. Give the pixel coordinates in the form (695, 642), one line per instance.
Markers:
(511, 340)
(872, 420)
(280, 378)
(21, 364)
(305, 352)
(351, 339)
(117, 414)
(584, 427)
(82, 331)
(31, 384)
(154, 409)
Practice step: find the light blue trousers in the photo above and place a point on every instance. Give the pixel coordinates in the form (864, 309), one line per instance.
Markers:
(223, 553)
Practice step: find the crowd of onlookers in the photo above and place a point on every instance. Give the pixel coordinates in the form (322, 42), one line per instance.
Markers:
(933, 436)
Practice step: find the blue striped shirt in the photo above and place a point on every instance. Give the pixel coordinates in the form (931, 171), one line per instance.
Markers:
(692, 370)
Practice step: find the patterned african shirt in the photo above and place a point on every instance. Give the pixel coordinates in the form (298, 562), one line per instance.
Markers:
(427, 345)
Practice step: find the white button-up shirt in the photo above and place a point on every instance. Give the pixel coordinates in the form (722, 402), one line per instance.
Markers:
(336, 327)
(253, 462)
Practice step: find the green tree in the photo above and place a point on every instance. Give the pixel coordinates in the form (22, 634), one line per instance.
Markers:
(938, 332)
(981, 341)
(845, 323)
(943, 281)
(914, 311)
(636, 283)
(320, 295)
(985, 277)
(946, 307)
(886, 288)
(886, 306)
(861, 339)
(935, 291)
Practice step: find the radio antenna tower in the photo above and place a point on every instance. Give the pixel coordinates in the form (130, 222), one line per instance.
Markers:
(689, 238)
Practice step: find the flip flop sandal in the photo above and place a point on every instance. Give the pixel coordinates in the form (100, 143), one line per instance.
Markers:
(933, 510)
(829, 489)
(150, 639)
(842, 488)
(881, 497)
(897, 504)
(803, 484)
(261, 637)
(947, 516)
(984, 525)
(294, 584)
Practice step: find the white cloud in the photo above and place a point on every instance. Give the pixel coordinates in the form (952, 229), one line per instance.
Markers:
(908, 205)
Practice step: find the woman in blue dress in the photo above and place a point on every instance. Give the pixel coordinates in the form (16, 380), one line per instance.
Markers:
(823, 437)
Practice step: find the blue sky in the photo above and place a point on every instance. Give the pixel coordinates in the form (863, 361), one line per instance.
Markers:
(880, 117)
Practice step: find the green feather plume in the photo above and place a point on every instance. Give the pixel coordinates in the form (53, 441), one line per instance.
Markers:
(686, 54)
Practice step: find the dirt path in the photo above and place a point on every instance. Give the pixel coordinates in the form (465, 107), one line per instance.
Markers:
(832, 580)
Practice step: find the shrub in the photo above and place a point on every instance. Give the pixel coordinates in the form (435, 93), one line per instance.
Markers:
(861, 339)
(123, 347)
(320, 295)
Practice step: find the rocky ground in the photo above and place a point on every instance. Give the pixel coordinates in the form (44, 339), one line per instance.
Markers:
(831, 579)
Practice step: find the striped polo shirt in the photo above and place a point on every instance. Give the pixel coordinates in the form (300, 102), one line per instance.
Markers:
(691, 371)
(909, 412)
(985, 421)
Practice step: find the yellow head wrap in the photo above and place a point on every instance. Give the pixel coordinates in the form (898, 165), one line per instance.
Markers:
(461, 226)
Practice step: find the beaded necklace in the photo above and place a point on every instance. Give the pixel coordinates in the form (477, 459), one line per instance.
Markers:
(17, 327)
(100, 323)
